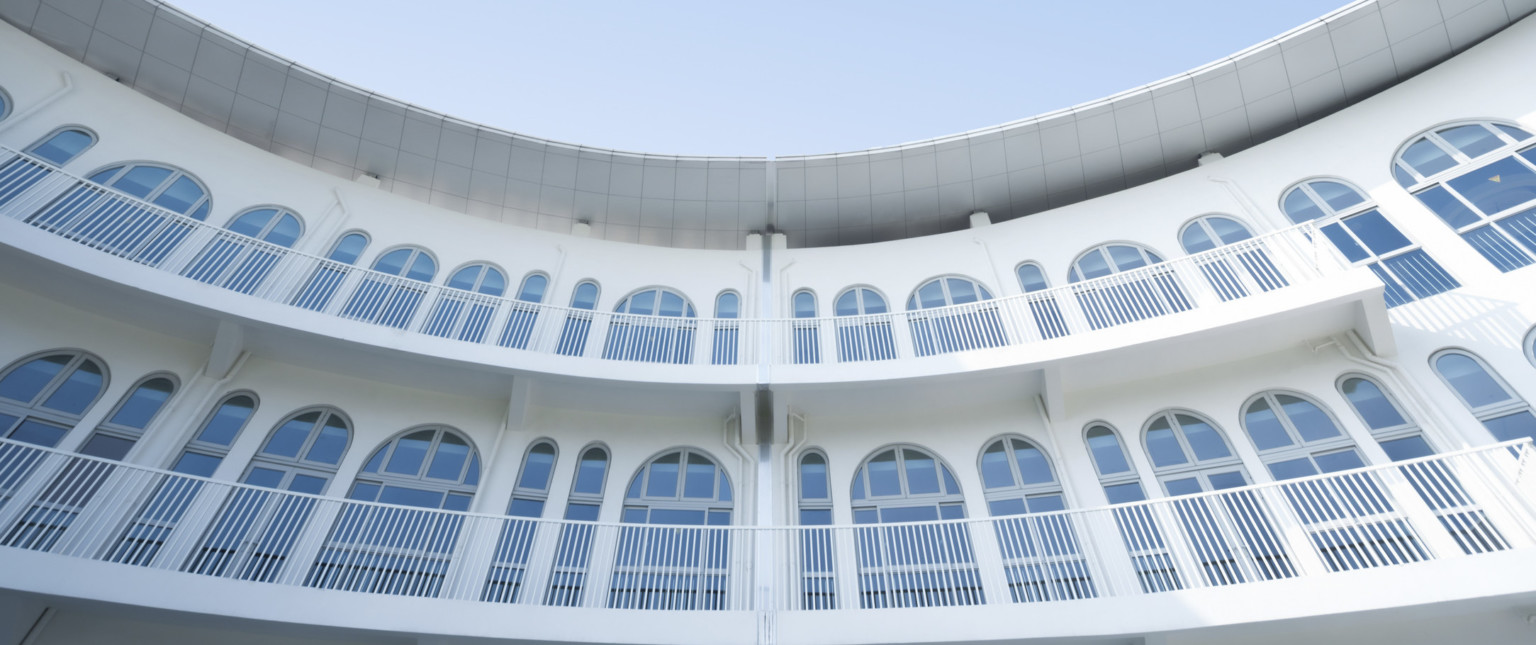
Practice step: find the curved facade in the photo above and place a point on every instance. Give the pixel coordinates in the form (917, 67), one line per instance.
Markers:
(1272, 395)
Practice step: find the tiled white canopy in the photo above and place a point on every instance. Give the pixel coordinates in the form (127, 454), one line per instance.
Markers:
(915, 189)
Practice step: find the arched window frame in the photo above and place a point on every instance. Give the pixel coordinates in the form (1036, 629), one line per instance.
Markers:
(637, 508)
(861, 293)
(5, 104)
(625, 303)
(35, 410)
(1045, 278)
(281, 212)
(198, 210)
(1019, 490)
(720, 299)
(1129, 475)
(1409, 425)
(597, 295)
(530, 500)
(335, 247)
(814, 511)
(1201, 469)
(1513, 407)
(1203, 222)
(524, 285)
(48, 138)
(982, 292)
(949, 504)
(240, 261)
(197, 446)
(1503, 237)
(458, 494)
(301, 465)
(802, 304)
(392, 303)
(1149, 257)
(1316, 452)
(417, 252)
(1363, 235)
(1529, 345)
(485, 267)
(592, 499)
(127, 435)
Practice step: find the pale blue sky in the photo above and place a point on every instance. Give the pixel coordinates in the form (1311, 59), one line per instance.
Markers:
(751, 78)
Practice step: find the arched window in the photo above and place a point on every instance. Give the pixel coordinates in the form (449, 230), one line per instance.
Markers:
(122, 429)
(524, 311)
(1236, 273)
(963, 320)
(1296, 437)
(1503, 412)
(1109, 298)
(818, 584)
(1042, 303)
(256, 530)
(1041, 553)
(114, 219)
(863, 326)
(465, 308)
(807, 332)
(402, 548)
(41, 158)
(908, 484)
(5, 104)
(241, 259)
(1190, 456)
(505, 581)
(1435, 482)
(1477, 178)
(726, 349)
(76, 483)
(1365, 236)
(1138, 526)
(143, 538)
(385, 299)
(652, 325)
(42, 398)
(682, 488)
(316, 293)
(573, 557)
(578, 323)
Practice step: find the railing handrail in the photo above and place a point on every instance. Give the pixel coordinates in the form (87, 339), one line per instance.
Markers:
(1523, 445)
(1308, 229)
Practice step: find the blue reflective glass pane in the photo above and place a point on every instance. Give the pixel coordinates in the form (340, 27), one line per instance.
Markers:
(922, 473)
(1421, 274)
(448, 462)
(725, 487)
(815, 516)
(1345, 243)
(728, 305)
(332, 441)
(35, 432)
(181, 196)
(585, 296)
(1223, 481)
(77, 391)
(197, 464)
(1124, 493)
(1185, 486)
(1126, 257)
(1402, 176)
(813, 477)
(533, 288)
(678, 516)
(393, 262)
(671, 305)
(26, 382)
(410, 453)
(1046, 503)
(141, 181)
(1033, 467)
(1300, 208)
(1106, 451)
(422, 268)
(951, 512)
(662, 481)
(493, 284)
(286, 232)
(1031, 277)
(805, 305)
(1006, 507)
(1407, 448)
(883, 478)
(227, 421)
(1162, 446)
(1472, 140)
(1497, 248)
(858, 486)
(1497, 186)
(962, 291)
(1337, 461)
(699, 479)
(1264, 427)
(1093, 265)
(909, 514)
(1292, 468)
(264, 477)
(1372, 404)
(1338, 196)
(1512, 132)
(1520, 425)
(930, 295)
(251, 224)
(1376, 232)
(464, 279)
(1228, 230)
(60, 148)
(643, 303)
(1203, 438)
(1470, 380)
(106, 446)
(143, 404)
(405, 496)
(289, 438)
(1196, 240)
(349, 248)
(1427, 158)
(537, 468)
(847, 304)
(582, 512)
(995, 471)
(589, 473)
(873, 302)
(307, 484)
(525, 507)
(365, 491)
(1310, 420)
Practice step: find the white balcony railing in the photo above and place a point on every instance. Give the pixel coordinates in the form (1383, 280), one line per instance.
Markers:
(69, 206)
(1453, 505)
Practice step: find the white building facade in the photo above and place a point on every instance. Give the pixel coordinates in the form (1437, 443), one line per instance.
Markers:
(1242, 354)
